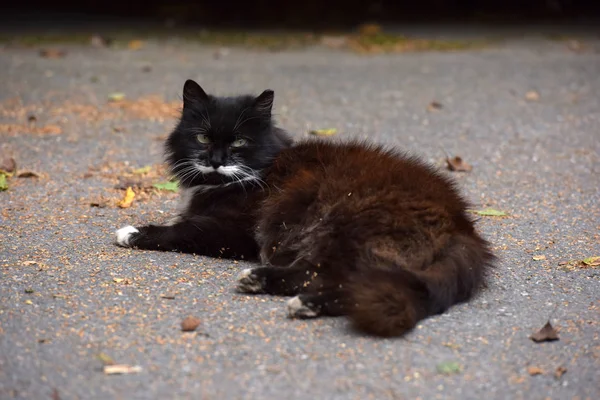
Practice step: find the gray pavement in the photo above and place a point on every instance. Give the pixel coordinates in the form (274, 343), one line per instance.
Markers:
(67, 294)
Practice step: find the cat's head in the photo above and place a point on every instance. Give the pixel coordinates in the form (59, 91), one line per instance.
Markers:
(223, 139)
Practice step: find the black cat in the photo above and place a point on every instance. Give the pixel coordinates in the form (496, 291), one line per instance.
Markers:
(349, 229)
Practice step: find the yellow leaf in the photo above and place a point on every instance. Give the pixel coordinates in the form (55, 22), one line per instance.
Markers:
(128, 199)
(143, 170)
(539, 258)
(28, 302)
(135, 44)
(324, 132)
(592, 261)
(118, 280)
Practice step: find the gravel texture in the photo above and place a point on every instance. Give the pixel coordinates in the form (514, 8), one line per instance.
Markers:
(70, 297)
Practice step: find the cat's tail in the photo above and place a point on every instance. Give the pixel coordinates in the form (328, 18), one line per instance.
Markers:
(390, 302)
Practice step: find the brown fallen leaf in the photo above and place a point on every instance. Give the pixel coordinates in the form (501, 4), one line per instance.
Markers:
(458, 164)
(546, 334)
(334, 42)
(369, 29)
(29, 174)
(128, 199)
(99, 203)
(434, 106)
(99, 41)
(532, 95)
(53, 53)
(167, 296)
(121, 369)
(574, 45)
(8, 165)
(560, 371)
(531, 370)
(135, 44)
(190, 323)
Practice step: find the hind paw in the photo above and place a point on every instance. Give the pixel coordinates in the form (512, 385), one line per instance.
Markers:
(299, 309)
(248, 282)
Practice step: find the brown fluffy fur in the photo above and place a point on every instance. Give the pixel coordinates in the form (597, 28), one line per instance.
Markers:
(384, 231)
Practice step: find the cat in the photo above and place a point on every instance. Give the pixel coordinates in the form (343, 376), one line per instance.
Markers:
(351, 228)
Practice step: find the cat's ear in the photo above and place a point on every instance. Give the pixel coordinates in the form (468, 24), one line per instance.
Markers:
(193, 93)
(264, 102)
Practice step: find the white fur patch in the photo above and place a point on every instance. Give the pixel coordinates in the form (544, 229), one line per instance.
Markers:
(297, 309)
(248, 282)
(124, 235)
(228, 170)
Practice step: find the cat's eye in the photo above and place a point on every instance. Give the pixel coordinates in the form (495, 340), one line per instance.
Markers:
(239, 142)
(204, 139)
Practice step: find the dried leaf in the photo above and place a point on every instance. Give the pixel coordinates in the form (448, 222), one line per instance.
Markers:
(99, 41)
(8, 165)
(532, 95)
(167, 296)
(189, 324)
(116, 97)
(531, 370)
(3, 182)
(143, 170)
(490, 212)
(52, 53)
(128, 199)
(448, 368)
(29, 174)
(539, 258)
(324, 132)
(592, 261)
(334, 42)
(546, 334)
(135, 44)
(99, 203)
(124, 281)
(121, 369)
(369, 29)
(434, 106)
(106, 359)
(458, 164)
(28, 290)
(560, 371)
(28, 302)
(574, 45)
(170, 186)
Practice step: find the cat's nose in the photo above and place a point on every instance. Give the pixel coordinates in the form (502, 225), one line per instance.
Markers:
(215, 163)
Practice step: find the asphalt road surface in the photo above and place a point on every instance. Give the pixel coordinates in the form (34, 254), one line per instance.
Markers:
(524, 113)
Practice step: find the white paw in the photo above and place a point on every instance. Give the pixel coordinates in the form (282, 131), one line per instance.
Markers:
(248, 282)
(297, 309)
(124, 235)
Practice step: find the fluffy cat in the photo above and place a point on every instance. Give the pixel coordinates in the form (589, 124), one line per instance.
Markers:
(348, 229)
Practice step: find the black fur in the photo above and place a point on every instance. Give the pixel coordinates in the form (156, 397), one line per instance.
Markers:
(351, 229)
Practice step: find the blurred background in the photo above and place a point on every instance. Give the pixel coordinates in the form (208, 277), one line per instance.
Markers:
(308, 14)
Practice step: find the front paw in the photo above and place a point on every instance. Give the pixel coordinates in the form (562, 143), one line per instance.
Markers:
(248, 282)
(125, 236)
